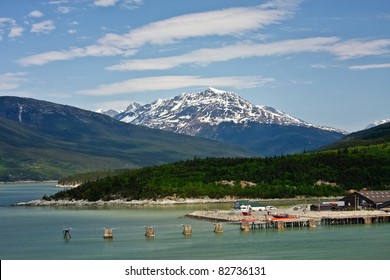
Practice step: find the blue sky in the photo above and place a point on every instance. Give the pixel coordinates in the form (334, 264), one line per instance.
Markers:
(326, 62)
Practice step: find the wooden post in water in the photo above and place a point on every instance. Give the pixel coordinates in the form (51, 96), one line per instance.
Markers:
(107, 233)
(66, 233)
(312, 223)
(149, 231)
(187, 229)
(245, 226)
(367, 220)
(218, 228)
(280, 225)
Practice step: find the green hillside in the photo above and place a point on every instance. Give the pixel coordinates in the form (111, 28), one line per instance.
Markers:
(376, 135)
(325, 173)
(44, 141)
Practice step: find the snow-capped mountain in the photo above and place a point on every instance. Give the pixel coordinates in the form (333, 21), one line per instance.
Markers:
(377, 123)
(111, 112)
(225, 116)
(189, 113)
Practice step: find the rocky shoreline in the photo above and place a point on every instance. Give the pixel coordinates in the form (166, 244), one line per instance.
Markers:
(121, 202)
(167, 201)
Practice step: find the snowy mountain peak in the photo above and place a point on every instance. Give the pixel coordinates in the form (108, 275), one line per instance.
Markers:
(133, 106)
(190, 113)
(377, 123)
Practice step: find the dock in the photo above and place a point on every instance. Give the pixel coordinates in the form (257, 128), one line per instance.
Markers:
(260, 220)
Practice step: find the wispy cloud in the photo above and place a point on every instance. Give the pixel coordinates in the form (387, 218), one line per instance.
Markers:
(64, 10)
(225, 22)
(370, 66)
(341, 49)
(358, 48)
(105, 3)
(132, 4)
(43, 27)
(175, 82)
(94, 51)
(9, 25)
(207, 56)
(36, 14)
(301, 82)
(58, 2)
(11, 81)
(15, 31)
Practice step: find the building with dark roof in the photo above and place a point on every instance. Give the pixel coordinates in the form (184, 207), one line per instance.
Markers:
(367, 199)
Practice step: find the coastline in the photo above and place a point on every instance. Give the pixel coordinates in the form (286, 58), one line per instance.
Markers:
(167, 201)
(122, 202)
(30, 182)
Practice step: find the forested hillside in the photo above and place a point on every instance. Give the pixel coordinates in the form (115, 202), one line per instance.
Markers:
(324, 173)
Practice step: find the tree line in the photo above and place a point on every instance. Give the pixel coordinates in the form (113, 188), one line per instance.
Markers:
(272, 177)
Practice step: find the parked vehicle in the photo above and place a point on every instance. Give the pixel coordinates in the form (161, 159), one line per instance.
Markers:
(247, 204)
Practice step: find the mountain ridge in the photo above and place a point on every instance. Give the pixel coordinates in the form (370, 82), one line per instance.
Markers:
(222, 115)
(41, 140)
(213, 106)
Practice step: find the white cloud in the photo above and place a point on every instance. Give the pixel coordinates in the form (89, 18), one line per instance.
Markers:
(341, 49)
(321, 66)
(105, 3)
(11, 81)
(358, 48)
(370, 66)
(231, 21)
(58, 2)
(223, 22)
(301, 82)
(43, 27)
(94, 50)
(6, 21)
(175, 82)
(64, 10)
(113, 104)
(36, 14)
(132, 4)
(15, 31)
(206, 56)
(72, 31)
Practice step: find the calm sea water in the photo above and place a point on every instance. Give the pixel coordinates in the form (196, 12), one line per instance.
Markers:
(36, 233)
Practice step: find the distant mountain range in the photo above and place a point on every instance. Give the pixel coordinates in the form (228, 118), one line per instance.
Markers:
(226, 117)
(41, 140)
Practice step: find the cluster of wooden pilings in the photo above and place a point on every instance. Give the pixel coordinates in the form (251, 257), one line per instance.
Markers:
(312, 223)
(277, 224)
(354, 220)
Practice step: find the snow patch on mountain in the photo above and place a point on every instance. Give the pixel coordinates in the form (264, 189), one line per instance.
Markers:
(377, 123)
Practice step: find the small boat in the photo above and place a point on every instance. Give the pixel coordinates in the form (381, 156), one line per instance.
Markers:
(107, 233)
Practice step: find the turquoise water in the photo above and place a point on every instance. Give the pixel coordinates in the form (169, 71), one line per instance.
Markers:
(36, 233)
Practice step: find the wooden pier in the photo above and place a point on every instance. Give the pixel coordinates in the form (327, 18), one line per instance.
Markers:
(348, 220)
(277, 224)
(312, 223)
